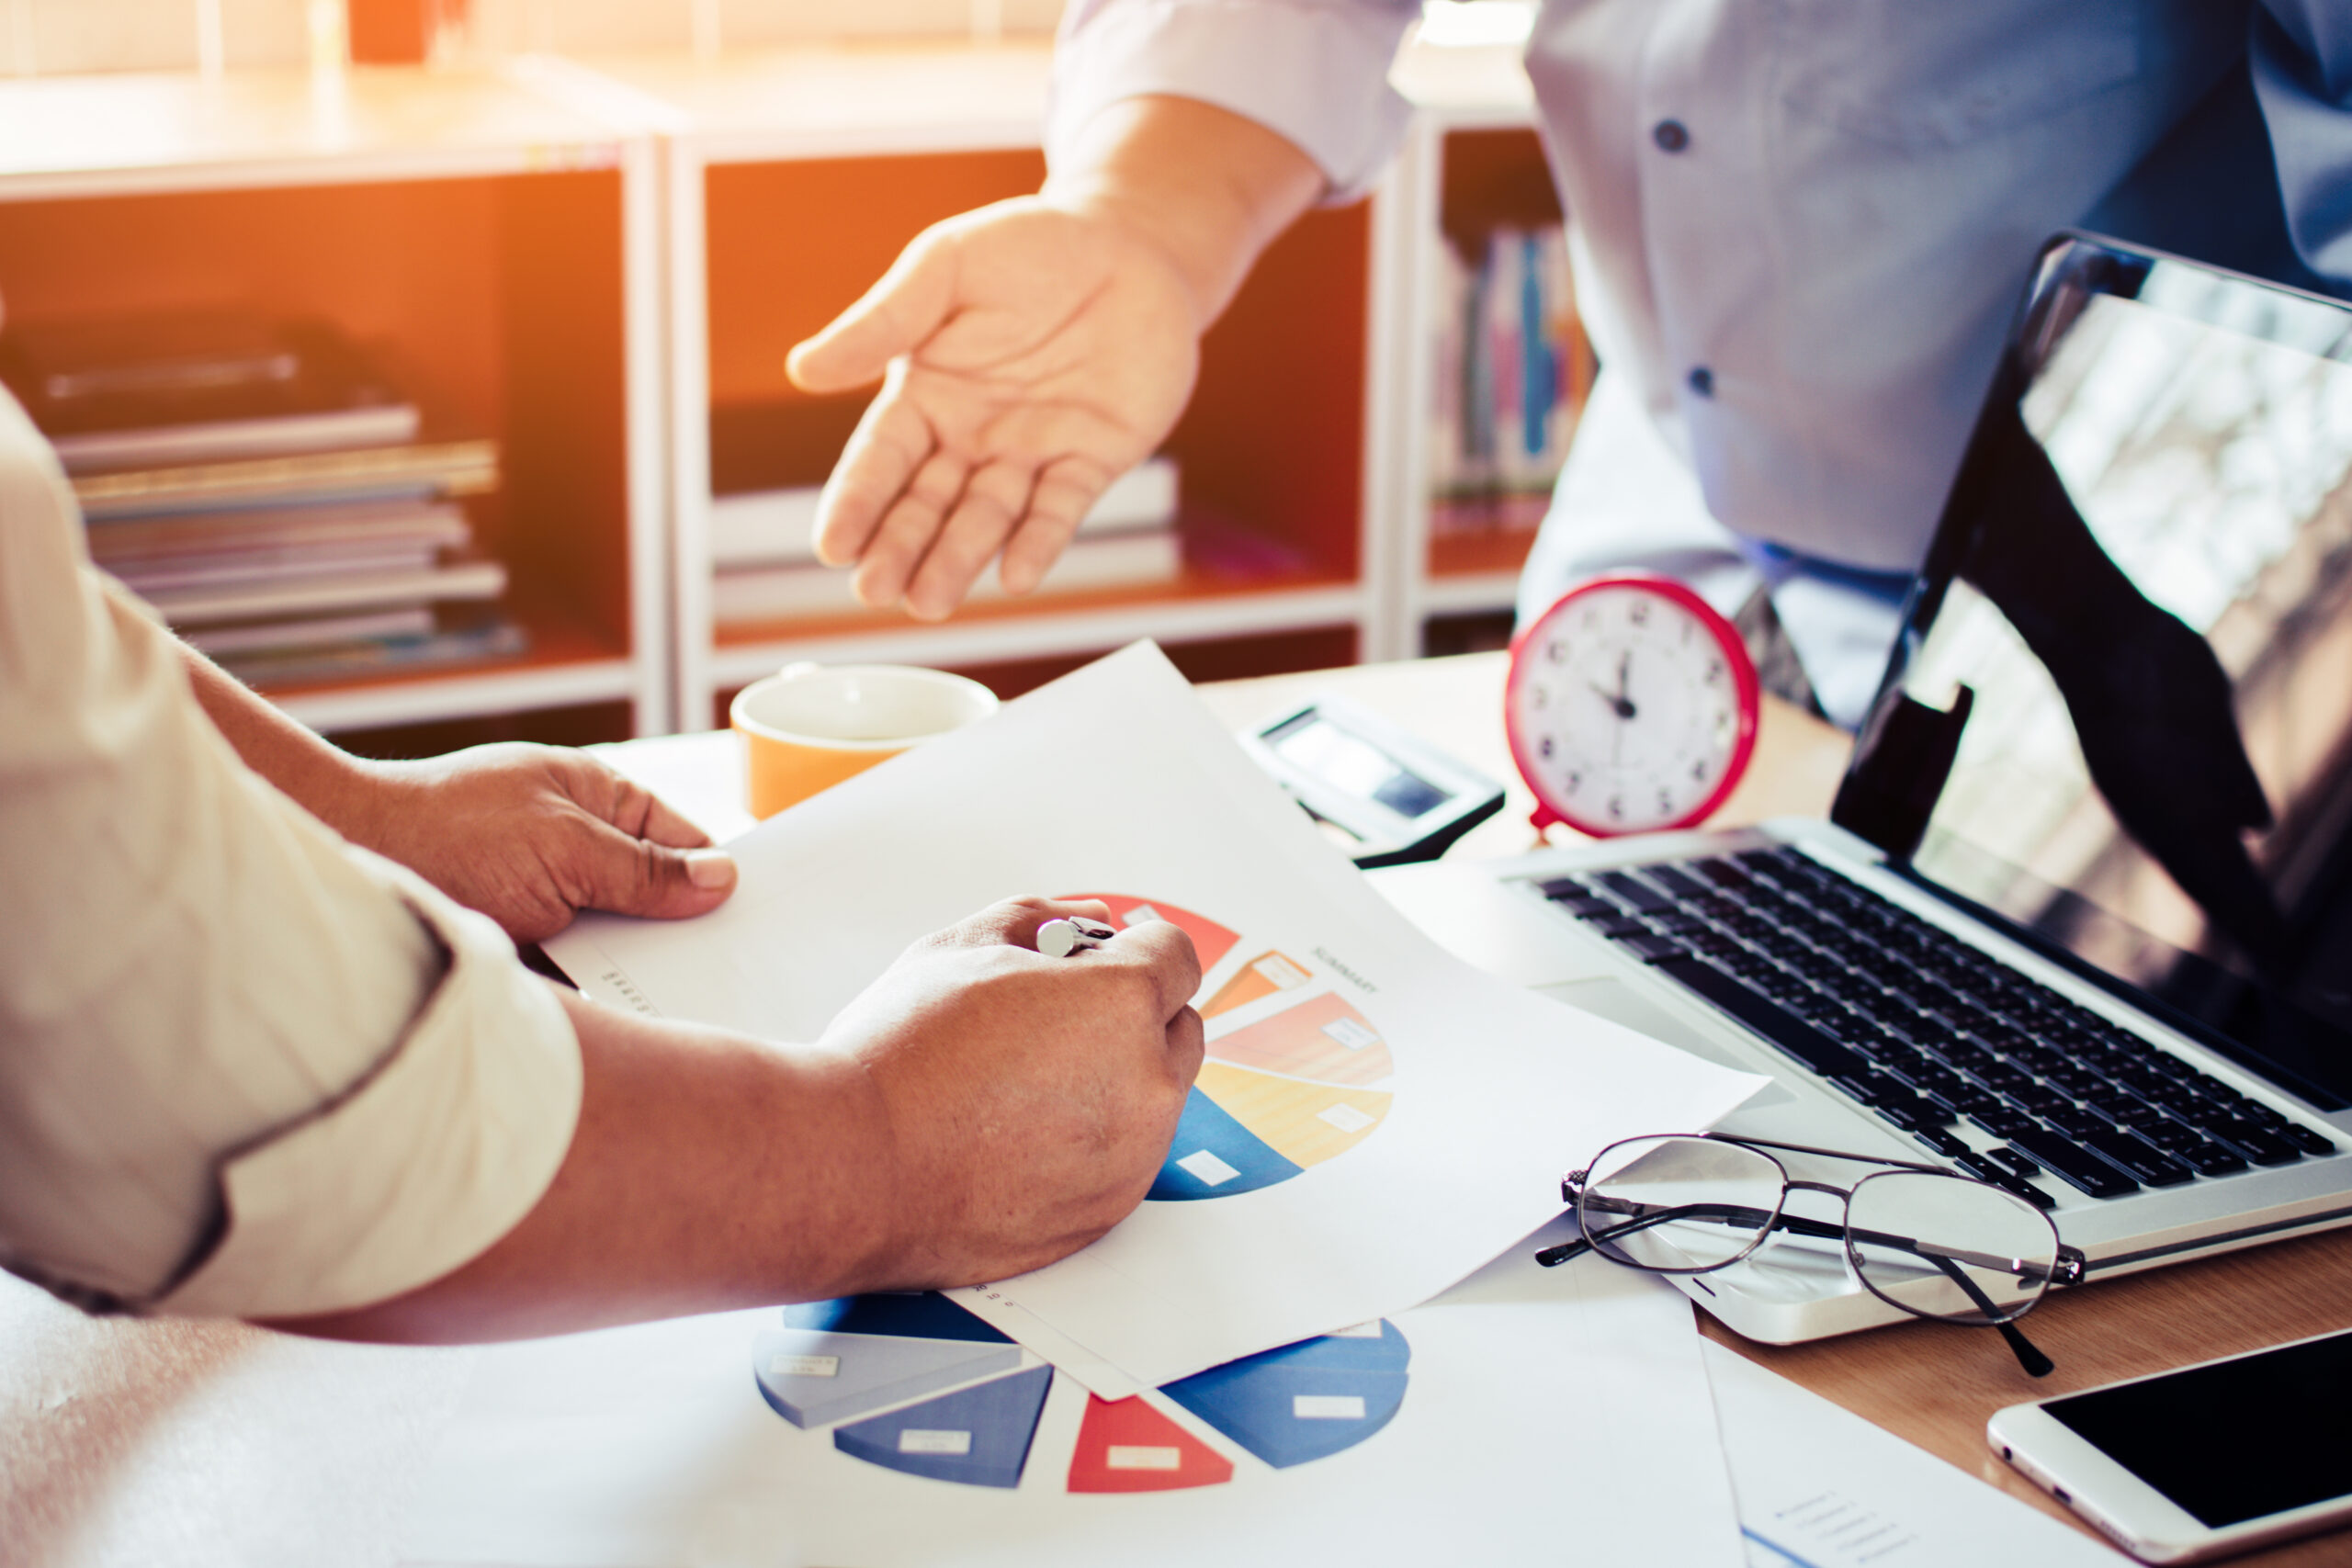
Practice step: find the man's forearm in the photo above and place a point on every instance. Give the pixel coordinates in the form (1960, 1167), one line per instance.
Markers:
(1210, 187)
(325, 780)
(708, 1171)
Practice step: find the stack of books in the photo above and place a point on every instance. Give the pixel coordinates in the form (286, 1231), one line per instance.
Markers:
(266, 488)
(1513, 369)
(764, 564)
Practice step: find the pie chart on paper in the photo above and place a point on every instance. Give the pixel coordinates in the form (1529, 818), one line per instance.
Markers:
(916, 1384)
(1295, 1075)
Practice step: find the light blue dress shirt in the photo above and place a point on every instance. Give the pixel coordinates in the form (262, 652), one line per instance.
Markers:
(1799, 227)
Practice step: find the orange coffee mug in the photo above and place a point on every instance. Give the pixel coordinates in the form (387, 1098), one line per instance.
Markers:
(811, 726)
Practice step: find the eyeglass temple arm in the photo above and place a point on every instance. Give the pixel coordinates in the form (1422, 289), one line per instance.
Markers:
(1552, 1257)
(2029, 1355)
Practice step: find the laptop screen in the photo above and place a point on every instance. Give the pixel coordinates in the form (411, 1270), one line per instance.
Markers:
(2120, 715)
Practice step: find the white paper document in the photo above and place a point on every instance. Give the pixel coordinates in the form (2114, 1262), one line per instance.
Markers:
(1529, 1416)
(1820, 1487)
(1377, 1119)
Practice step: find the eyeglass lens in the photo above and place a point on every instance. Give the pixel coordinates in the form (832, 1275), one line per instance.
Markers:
(1678, 1205)
(1947, 1247)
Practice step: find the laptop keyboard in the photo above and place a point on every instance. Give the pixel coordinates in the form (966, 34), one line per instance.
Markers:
(1928, 1032)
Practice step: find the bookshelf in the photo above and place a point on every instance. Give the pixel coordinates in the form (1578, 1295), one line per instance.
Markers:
(600, 262)
(495, 249)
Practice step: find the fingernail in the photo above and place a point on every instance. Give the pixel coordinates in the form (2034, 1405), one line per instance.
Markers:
(710, 868)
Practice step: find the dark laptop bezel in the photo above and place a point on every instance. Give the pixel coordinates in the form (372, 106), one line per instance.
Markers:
(1902, 752)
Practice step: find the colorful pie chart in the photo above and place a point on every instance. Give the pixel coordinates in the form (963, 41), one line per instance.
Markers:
(916, 1384)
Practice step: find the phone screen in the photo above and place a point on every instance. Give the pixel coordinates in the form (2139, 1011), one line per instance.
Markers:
(1354, 765)
(2236, 1440)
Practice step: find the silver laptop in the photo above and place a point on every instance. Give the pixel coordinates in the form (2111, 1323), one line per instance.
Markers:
(2080, 920)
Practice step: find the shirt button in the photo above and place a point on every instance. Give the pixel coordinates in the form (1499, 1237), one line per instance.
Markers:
(1702, 381)
(1671, 135)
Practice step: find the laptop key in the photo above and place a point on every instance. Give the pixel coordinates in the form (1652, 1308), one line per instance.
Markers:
(1896, 1116)
(2002, 1121)
(1911, 1111)
(2038, 1100)
(2001, 1078)
(2259, 1144)
(1985, 1170)
(2077, 1120)
(1651, 948)
(1564, 887)
(2025, 1190)
(2172, 1136)
(2144, 1159)
(1977, 1165)
(2077, 1167)
(2207, 1158)
(1942, 1143)
(1633, 892)
(1968, 1101)
(1960, 1055)
(1677, 881)
(2304, 1139)
(2126, 1111)
(1792, 1035)
(1871, 1088)
(2015, 1161)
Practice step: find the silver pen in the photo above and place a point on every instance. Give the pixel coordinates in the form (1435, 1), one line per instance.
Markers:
(1060, 939)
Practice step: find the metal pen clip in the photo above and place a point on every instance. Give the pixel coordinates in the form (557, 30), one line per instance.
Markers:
(1060, 939)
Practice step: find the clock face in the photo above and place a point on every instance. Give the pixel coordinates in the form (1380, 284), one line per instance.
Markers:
(1632, 706)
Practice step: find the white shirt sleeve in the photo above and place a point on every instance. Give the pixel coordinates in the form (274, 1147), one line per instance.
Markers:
(245, 1068)
(1315, 72)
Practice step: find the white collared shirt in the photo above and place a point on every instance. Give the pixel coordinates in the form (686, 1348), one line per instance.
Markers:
(245, 1068)
(1798, 227)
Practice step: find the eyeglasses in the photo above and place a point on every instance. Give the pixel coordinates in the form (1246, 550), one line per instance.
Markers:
(1934, 1243)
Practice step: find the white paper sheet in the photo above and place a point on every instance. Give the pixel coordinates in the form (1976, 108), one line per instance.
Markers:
(1820, 1487)
(1545, 1416)
(1425, 1110)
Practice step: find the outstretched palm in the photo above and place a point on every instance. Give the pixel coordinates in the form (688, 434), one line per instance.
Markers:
(1029, 356)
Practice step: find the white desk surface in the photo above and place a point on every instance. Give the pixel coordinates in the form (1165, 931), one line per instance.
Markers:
(129, 1442)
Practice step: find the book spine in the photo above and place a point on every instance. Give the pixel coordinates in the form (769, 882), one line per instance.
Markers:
(754, 595)
(180, 445)
(1512, 370)
(466, 581)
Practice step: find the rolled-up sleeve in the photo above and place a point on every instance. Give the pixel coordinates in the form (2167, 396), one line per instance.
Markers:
(1315, 72)
(2301, 60)
(245, 1068)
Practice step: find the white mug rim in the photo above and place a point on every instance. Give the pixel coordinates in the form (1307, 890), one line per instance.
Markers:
(739, 718)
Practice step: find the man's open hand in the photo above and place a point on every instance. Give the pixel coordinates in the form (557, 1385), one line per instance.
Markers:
(530, 835)
(1033, 355)
(1029, 1100)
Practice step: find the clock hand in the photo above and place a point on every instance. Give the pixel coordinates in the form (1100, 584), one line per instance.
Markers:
(1617, 704)
(1621, 702)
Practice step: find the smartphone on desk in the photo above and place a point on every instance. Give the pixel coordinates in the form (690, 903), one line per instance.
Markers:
(2211, 1460)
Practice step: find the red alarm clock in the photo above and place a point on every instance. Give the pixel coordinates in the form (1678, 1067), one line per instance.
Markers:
(1631, 707)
